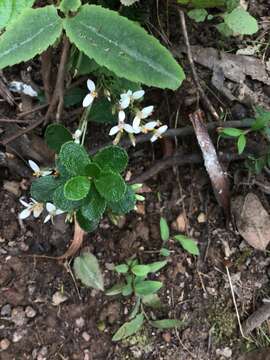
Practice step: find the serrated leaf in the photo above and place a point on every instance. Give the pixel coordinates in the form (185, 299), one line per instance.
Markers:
(167, 323)
(94, 206)
(18, 6)
(156, 266)
(5, 12)
(140, 270)
(42, 189)
(56, 135)
(87, 269)
(199, 15)
(113, 157)
(129, 328)
(241, 143)
(69, 5)
(123, 47)
(121, 269)
(115, 290)
(62, 203)
(92, 170)
(74, 157)
(188, 244)
(111, 186)
(233, 132)
(126, 204)
(147, 287)
(164, 229)
(33, 32)
(77, 188)
(85, 224)
(241, 22)
(152, 300)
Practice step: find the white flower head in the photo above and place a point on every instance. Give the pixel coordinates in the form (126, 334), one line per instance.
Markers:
(138, 128)
(37, 171)
(128, 97)
(33, 207)
(77, 136)
(89, 98)
(122, 126)
(52, 211)
(159, 132)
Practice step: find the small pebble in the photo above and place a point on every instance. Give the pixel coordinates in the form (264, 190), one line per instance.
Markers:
(167, 337)
(86, 336)
(18, 335)
(30, 312)
(6, 310)
(18, 316)
(4, 344)
(80, 322)
(201, 218)
(58, 298)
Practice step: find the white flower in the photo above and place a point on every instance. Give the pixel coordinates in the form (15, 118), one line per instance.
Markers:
(52, 211)
(36, 169)
(122, 126)
(138, 128)
(77, 135)
(89, 98)
(33, 207)
(158, 133)
(128, 97)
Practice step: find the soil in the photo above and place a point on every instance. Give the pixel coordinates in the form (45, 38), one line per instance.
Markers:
(196, 289)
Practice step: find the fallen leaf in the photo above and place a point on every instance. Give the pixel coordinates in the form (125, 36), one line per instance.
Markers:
(180, 223)
(252, 220)
(58, 298)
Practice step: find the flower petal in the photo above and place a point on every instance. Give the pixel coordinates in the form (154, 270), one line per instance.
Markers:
(136, 122)
(47, 218)
(46, 172)
(147, 111)
(121, 116)
(33, 166)
(50, 207)
(114, 130)
(91, 85)
(128, 128)
(138, 94)
(37, 210)
(162, 129)
(59, 212)
(24, 203)
(150, 125)
(24, 214)
(153, 138)
(124, 102)
(87, 101)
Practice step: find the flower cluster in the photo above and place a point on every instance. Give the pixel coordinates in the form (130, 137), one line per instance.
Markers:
(139, 124)
(34, 207)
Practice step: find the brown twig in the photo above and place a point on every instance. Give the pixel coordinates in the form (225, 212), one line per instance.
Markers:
(257, 318)
(58, 94)
(46, 66)
(194, 74)
(35, 109)
(17, 121)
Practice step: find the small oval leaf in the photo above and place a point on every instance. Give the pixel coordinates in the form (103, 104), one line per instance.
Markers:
(87, 269)
(129, 328)
(77, 188)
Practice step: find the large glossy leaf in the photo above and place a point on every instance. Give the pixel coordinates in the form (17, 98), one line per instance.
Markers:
(123, 47)
(87, 269)
(18, 6)
(33, 32)
(5, 12)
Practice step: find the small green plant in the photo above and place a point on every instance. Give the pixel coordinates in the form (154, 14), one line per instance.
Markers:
(145, 290)
(236, 20)
(187, 243)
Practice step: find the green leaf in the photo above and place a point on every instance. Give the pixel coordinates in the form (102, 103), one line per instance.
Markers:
(5, 12)
(123, 47)
(85, 224)
(156, 266)
(241, 22)
(115, 290)
(112, 157)
(224, 30)
(152, 300)
(129, 328)
(203, 4)
(56, 135)
(62, 203)
(127, 289)
(111, 186)
(101, 112)
(188, 244)
(74, 96)
(69, 5)
(241, 143)
(92, 170)
(164, 229)
(199, 15)
(74, 157)
(140, 270)
(121, 269)
(42, 189)
(262, 119)
(126, 204)
(18, 6)
(33, 32)
(167, 323)
(147, 287)
(77, 188)
(87, 269)
(165, 252)
(94, 206)
(233, 132)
